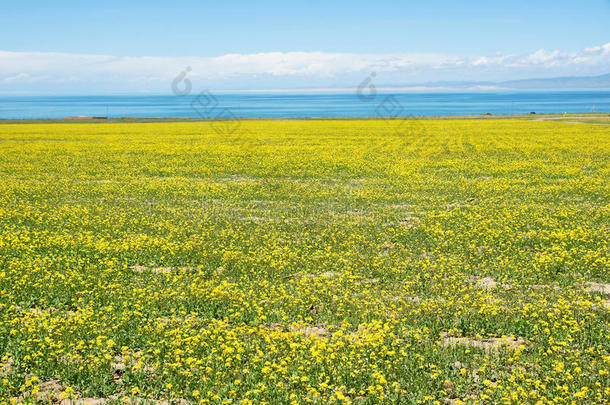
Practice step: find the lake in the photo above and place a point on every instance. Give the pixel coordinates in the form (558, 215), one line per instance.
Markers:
(211, 105)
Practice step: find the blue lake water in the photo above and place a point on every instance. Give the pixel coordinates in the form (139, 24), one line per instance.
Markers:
(210, 105)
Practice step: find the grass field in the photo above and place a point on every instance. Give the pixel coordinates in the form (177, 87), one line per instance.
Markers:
(440, 262)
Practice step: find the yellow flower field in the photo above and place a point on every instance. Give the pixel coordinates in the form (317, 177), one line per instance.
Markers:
(295, 262)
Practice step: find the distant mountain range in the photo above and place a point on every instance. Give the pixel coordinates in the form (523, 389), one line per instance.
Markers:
(601, 82)
(586, 82)
(558, 83)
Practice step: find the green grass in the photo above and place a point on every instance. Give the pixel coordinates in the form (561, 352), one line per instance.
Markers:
(312, 261)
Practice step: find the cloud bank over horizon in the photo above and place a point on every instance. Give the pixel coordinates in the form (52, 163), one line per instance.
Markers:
(65, 73)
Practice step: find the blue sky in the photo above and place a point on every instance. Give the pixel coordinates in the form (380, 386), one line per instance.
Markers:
(51, 46)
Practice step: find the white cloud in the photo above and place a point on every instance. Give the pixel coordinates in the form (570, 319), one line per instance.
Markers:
(18, 77)
(66, 72)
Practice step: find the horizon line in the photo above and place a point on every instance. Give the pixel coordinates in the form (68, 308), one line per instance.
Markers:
(322, 90)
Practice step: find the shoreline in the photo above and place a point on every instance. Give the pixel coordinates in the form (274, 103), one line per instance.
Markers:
(101, 120)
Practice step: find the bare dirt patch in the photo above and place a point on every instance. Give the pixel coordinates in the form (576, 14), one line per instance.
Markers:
(603, 304)
(408, 220)
(125, 400)
(6, 366)
(404, 298)
(142, 269)
(327, 274)
(87, 401)
(546, 287)
(486, 282)
(321, 331)
(164, 320)
(122, 361)
(488, 344)
(48, 391)
(598, 287)
(236, 179)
